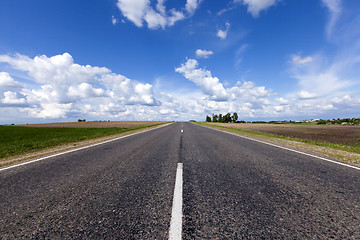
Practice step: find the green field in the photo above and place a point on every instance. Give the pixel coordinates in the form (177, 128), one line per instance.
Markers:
(16, 140)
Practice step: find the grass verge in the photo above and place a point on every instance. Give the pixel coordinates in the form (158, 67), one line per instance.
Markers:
(339, 153)
(17, 140)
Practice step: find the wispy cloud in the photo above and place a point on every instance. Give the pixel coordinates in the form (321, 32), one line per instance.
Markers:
(114, 20)
(298, 60)
(335, 10)
(325, 76)
(239, 54)
(317, 77)
(222, 34)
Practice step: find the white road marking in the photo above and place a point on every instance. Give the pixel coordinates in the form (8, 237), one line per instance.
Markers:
(289, 149)
(77, 149)
(176, 214)
(182, 130)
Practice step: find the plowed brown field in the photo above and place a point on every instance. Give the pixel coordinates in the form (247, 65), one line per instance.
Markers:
(348, 135)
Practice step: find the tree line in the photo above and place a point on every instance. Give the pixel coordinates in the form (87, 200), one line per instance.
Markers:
(350, 121)
(226, 118)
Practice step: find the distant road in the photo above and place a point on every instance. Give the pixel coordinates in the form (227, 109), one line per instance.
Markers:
(232, 188)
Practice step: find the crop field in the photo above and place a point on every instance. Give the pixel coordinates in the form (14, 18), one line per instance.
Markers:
(344, 135)
(15, 140)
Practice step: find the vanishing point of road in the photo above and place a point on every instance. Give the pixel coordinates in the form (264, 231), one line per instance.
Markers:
(205, 183)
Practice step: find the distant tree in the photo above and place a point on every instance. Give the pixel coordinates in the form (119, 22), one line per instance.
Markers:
(208, 118)
(228, 117)
(220, 118)
(215, 118)
(235, 117)
(321, 122)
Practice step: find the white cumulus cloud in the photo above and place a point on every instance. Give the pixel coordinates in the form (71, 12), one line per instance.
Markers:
(248, 91)
(127, 91)
(282, 101)
(140, 11)
(134, 10)
(256, 6)
(307, 95)
(192, 5)
(85, 90)
(215, 90)
(51, 110)
(6, 81)
(203, 78)
(58, 69)
(12, 98)
(279, 108)
(203, 53)
(61, 88)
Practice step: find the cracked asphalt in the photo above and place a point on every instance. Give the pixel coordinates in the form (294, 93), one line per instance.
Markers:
(233, 188)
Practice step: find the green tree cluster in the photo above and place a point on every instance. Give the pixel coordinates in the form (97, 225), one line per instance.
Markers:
(227, 118)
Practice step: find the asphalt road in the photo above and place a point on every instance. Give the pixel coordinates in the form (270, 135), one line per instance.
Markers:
(233, 188)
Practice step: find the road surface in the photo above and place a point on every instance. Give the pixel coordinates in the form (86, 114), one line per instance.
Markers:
(232, 188)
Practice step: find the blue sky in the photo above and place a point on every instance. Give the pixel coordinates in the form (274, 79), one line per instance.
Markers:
(62, 60)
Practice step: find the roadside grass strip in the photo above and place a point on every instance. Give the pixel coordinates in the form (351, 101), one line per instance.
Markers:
(19, 144)
(81, 148)
(15, 140)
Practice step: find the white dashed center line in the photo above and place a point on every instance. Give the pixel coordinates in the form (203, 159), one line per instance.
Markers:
(176, 214)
